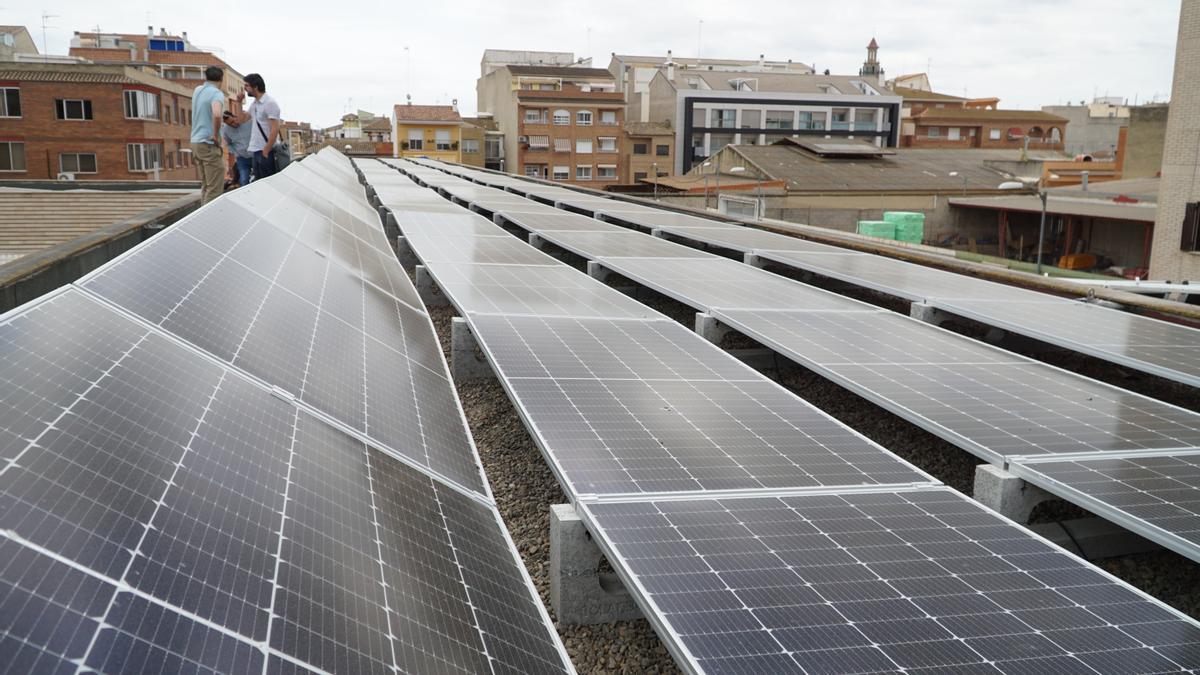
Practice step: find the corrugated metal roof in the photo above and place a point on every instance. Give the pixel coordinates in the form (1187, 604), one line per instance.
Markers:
(32, 220)
(1069, 206)
(907, 170)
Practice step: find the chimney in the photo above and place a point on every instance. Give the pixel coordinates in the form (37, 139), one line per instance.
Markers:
(454, 104)
(149, 31)
(162, 31)
(762, 61)
(670, 67)
(185, 36)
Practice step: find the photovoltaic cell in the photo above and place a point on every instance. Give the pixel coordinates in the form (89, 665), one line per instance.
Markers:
(897, 277)
(655, 218)
(1156, 496)
(592, 245)
(479, 250)
(717, 282)
(1159, 347)
(861, 338)
(564, 347)
(549, 219)
(880, 582)
(1026, 409)
(611, 436)
(747, 239)
(533, 289)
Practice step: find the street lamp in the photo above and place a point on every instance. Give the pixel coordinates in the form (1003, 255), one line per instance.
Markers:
(1040, 186)
(964, 178)
(705, 166)
(655, 166)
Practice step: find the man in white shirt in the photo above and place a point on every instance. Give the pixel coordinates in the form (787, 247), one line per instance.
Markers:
(264, 118)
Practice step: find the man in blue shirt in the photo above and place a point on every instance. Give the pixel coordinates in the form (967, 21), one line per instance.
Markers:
(237, 140)
(206, 147)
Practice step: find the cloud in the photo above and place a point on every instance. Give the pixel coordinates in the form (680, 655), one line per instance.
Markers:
(320, 58)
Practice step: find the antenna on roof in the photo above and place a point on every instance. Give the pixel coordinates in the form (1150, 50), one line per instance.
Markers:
(45, 49)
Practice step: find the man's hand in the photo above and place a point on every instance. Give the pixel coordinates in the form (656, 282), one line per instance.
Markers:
(241, 96)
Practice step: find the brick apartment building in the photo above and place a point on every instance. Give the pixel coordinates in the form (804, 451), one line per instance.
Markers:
(171, 57)
(933, 120)
(94, 122)
(562, 123)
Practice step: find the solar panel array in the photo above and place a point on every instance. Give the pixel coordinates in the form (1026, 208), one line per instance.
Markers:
(1004, 408)
(758, 534)
(236, 448)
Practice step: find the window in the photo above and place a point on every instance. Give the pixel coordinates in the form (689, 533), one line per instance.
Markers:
(535, 116)
(562, 118)
(608, 117)
(723, 118)
(416, 139)
(77, 162)
(442, 141)
(583, 118)
(143, 156)
(10, 102)
(539, 142)
(751, 119)
(562, 172)
(583, 145)
(812, 121)
(841, 118)
(12, 156)
(1190, 240)
(779, 119)
(639, 175)
(606, 172)
(739, 207)
(994, 135)
(163, 45)
(562, 145)
(864, 120)
(607, 144)
(533, 170)
(470, 146)
(933, 132)
(662, 150)
(141, 105)
(953, 134)
(73, 109)
(583, 173)
(641, 148)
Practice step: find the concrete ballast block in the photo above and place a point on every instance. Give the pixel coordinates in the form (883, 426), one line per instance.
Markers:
(709, 328)
(466, 359)
(405, 254)
(927, 313)
(427, 289)
(579, 593)
(1007, 494)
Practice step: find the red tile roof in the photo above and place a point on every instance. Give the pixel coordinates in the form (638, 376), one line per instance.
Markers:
(427, 113)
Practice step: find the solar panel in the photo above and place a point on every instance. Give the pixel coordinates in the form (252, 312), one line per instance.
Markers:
(655, 218)
(549, 290)
(718, 282)
(548, 219)
(862, 338)
(566, 347)
(643, 407)
(435, 248)
(1024, 409)
(1164, 349)
(1155, 496)
(878, 582)
(896, 277)
(988, 401)
(593, 245)
(159, 512)
(748, 239)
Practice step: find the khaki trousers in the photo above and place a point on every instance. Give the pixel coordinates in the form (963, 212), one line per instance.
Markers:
(211, 167)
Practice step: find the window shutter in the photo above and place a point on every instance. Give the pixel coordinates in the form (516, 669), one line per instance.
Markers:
(1191, 227)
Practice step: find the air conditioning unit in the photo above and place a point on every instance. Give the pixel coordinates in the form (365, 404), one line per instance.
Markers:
(66, 176)
(522, 139)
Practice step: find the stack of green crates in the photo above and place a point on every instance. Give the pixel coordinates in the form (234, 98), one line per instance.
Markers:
(877, 228)
(910, 227)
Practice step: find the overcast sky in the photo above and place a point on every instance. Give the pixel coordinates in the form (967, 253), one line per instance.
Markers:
(321, 59)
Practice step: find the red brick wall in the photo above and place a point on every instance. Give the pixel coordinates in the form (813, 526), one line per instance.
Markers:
(106, 135)
(572, 159)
